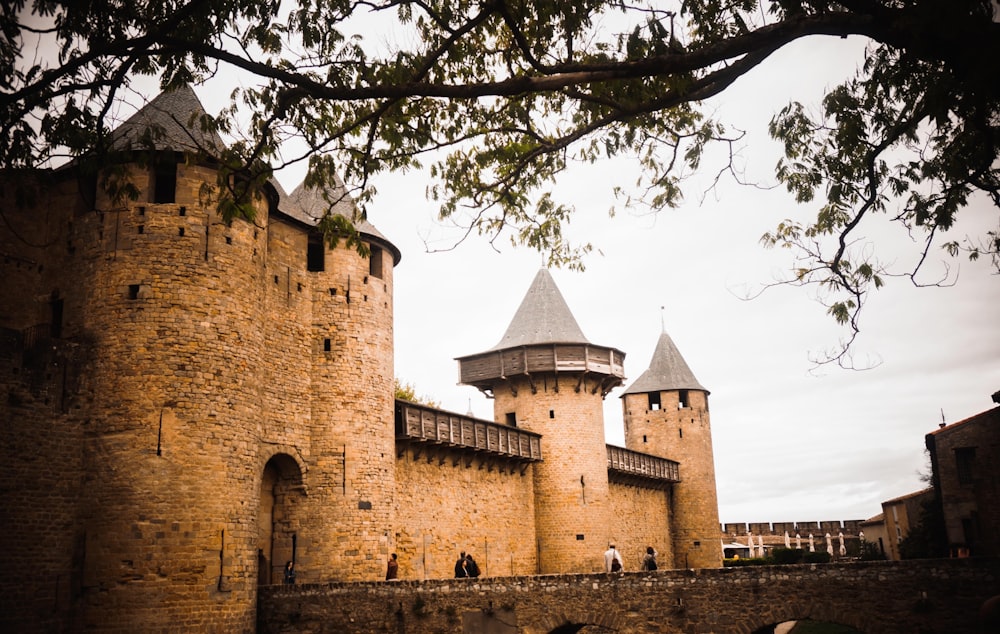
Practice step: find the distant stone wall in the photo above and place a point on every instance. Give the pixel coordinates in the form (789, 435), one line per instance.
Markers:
(885, 597)
(848, 527)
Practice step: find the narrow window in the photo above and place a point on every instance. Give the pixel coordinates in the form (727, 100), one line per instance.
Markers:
(326, 345)
(375, 263)
(315, 254)
(680, 432)
(552, 413)
(133, 291)
(512, 419)
(654, 400)
(56, 305)
(682, 399)
(644, 438)
(180, 232)
(965, 464)
(165, 182)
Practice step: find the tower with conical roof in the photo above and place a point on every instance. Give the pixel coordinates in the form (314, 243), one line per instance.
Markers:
(546, 377)
(666, 415)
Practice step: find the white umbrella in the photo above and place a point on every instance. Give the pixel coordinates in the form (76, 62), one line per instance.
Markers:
(812, 548)
(750, 542)
(788, 542)
(760, 545)
(798, 541)
(843, 551)
(829, 544)
(861, 536)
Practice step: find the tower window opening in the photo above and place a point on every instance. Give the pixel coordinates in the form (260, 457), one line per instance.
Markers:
(180, 232)
(680, 432)
(375, 262)
(512, 419)
(165, 182)
(316, 254)
(326, 345)
(56, 307)
(133, 291)
(644, 438)
(552, 413)
(965, 464)
(141, 229)
(682, 399)
(182, 211)
(229, 239)
(654, 400)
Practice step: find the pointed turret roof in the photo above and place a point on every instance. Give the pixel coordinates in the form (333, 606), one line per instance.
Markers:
(170, 122)
(172, 116)
(542, 318)
(667, 371)
(309, 205)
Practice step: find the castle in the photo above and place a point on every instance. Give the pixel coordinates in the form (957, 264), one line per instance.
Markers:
(191, 403)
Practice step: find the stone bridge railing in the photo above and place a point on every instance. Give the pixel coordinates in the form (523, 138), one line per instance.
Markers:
(939, 596)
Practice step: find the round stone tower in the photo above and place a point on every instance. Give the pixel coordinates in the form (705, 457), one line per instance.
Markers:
(546, 377)
(666, 415)
(229, 405)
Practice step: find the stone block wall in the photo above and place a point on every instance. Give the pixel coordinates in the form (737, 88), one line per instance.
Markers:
(449, 502)
(884, 597)
(573, 511)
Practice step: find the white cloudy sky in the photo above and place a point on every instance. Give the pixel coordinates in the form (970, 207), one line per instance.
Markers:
(791, 443)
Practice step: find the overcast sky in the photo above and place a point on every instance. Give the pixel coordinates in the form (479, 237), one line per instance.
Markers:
(791, 443)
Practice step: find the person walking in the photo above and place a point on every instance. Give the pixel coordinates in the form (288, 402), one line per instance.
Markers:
(649, 560)
(471, 567)
(612, 560)
(392, 569)
(460, 570)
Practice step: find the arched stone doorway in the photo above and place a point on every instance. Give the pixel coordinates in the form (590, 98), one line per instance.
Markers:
(277, 533)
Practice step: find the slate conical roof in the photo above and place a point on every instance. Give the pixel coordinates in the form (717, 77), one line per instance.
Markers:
(667, 371)
(173, 118)
(542, 318)
(309, 205)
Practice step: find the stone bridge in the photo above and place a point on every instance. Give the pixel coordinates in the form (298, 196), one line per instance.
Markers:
(943, 596)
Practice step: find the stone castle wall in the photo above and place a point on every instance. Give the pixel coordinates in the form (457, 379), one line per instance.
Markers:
(188, 406)
(885, 597)
(573, 510)
(683, 434)
(449, 503)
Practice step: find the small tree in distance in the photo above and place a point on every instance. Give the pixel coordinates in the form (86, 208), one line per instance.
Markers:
(407, 392)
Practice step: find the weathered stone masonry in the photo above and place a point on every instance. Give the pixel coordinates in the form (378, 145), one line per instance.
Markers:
(930, 596)
(189, 403)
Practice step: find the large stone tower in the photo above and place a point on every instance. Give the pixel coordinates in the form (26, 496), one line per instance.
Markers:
(190, 402)
(546, 377)
(666, 415)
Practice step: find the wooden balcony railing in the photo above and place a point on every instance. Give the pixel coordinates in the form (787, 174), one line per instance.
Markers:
(641, 469)
(426, 425)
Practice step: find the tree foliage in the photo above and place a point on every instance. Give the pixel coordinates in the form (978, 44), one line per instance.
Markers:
(407, 392)
(499, 96)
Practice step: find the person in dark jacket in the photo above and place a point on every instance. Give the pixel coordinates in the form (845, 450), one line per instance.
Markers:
(471, 567)
(392, 570)
(460, 570)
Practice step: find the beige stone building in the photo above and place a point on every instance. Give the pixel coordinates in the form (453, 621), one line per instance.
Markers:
(190, 403)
